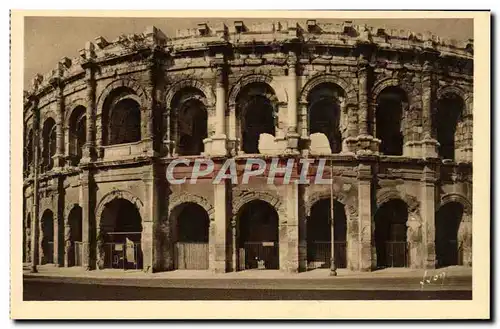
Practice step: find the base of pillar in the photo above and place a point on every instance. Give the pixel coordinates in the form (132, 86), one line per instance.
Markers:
(292, 139)
(33, 269)
(429, 148)
(219, 145)
(367, 144)
(412, 149)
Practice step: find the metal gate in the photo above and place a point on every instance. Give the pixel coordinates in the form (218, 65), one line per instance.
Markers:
(318, 254)
(260, 255)
(191, 256)
(124, 256)
(396, 254)
(48, 252)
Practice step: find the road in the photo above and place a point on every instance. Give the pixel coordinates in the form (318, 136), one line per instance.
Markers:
(45, 288)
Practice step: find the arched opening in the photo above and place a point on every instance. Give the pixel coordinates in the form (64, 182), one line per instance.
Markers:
(448, 249)
(49, 144)
(77, 134)
(449, 114)
(390, 234)
(258, 236)
(121, 117)
(192, 123)
(257, 114)
(324, 103)
(319, 235)
(47, 224)
(192, 223)
(391, 104)
(75, 257)
(120, 236)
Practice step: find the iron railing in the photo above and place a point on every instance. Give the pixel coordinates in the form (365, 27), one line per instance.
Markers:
(191, 256)
(260, 255)
(319, 254)
(396, 254)
(121, 255)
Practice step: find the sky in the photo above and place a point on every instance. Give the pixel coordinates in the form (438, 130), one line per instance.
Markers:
(48, 39)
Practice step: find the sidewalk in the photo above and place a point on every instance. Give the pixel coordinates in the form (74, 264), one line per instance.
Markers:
(51, 270)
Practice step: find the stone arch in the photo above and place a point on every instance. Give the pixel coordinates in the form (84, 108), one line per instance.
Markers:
(128, 83)
(455, 197)
(119, 194)
(278, 89)
(349, 202)
(239, 200)
(451, 89)
(190, 83)
(179, 199)
(386, 195)
(72, 106)
(350, 92)
(388, 82)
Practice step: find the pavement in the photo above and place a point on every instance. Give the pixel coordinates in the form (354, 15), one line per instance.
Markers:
(456, 278)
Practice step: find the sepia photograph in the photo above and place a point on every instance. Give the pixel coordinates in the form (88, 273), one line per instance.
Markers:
(241, 157)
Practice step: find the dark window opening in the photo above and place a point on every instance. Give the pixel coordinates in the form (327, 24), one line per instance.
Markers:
(389, 113)
(192, 127)
(448, 115)
(259, 119)
(49, 144)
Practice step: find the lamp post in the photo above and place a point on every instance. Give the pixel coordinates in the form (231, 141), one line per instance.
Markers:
(333, 267)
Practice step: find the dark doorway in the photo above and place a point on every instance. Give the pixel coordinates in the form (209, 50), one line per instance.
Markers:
(319, 235)
(192, 237)
(390, 234)
(258, 236)
(75, 256)
(47, 224)
(389, 113)
(448, 218)
(120, 236)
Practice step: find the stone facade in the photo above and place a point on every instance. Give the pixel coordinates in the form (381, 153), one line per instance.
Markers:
(390, 110)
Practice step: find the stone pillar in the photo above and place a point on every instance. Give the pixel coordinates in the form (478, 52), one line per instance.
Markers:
(59, 155)
(148, 110)
(86, 202)
(353, 239)
(219, 146)
(150, 222)
(35, 227)
(428, 211)
(219, 229)
(58, 222)
(366, 142)
(67, 242)
(292, 135)
(89, 150)
(290, 247)
(232, 133)
(465, 238)
(368, 256)
(234, 244)
(429, 143)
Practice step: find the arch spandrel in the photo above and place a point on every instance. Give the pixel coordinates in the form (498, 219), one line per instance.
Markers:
(349, 202)
(115, 195)
(129, 83)
(455, 197)
(203, 87)
(243, 197)
(278, 88)
(348, 89)
(178, 199)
